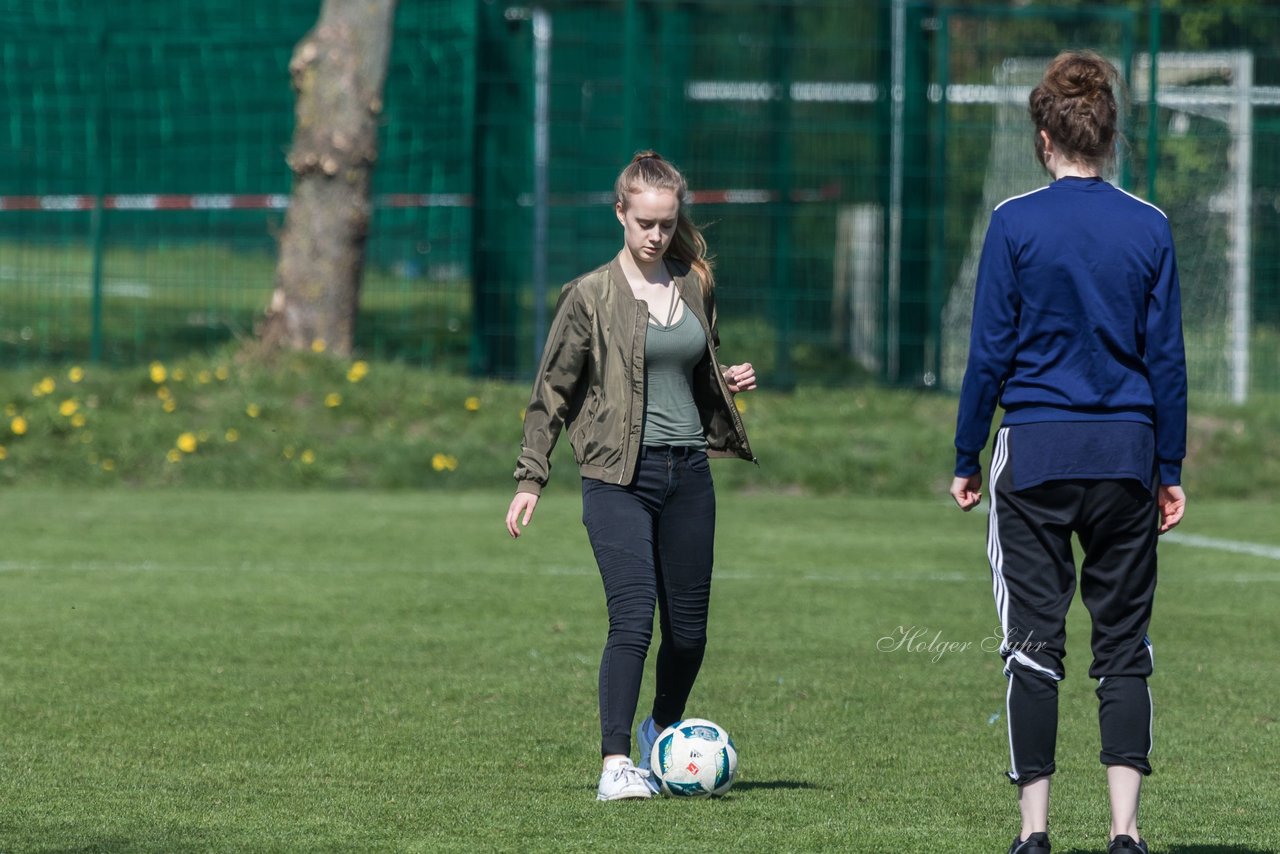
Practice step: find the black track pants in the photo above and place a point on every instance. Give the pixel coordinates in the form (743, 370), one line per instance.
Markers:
(1034, 578)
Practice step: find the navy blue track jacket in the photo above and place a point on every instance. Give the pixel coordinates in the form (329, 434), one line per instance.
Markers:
(1077, 317)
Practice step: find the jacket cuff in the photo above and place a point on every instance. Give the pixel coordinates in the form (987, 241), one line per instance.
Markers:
(1171, 473)
(967, 464)
(530, 486)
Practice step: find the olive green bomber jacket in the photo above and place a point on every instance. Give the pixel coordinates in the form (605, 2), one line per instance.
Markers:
(591, 380)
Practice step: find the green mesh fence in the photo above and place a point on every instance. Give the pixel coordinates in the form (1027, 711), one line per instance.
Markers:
(144, 180)
(844, 158)
(772, 111)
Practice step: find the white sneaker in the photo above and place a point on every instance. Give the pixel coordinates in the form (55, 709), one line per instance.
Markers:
(620, 779)
(647, 735)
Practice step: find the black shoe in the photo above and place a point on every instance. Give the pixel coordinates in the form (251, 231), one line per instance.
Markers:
(1125, 842)
(1036, 843)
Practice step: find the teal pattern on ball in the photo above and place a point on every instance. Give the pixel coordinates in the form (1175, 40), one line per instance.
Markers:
(661, 759)
(722, 768)
(685, 790)
(699, 731)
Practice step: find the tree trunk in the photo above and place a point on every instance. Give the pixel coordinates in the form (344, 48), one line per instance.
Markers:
(338, 70)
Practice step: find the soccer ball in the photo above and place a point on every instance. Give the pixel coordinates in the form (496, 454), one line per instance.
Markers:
(694, 758)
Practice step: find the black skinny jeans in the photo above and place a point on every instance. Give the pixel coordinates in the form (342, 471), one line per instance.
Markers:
(653, 540)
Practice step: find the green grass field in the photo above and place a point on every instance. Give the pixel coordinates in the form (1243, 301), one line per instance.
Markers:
(190, 670)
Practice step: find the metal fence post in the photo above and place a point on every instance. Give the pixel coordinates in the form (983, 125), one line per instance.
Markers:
(541, 164)
(932, 361)
(630, 37)
(99, 164)
(1153, 107)
(783, 289)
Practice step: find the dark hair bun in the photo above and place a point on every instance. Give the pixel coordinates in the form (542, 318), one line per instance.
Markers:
(1075, 104)
(1079, 76)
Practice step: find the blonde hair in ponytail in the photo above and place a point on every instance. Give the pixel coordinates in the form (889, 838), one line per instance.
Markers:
(648, 171)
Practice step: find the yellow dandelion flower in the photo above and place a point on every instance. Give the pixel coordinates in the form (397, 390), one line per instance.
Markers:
(333, 400)
(318, 345)
(174, 455)
(740, 404)
(359, 370)
(78, 420)
(221, 372)
(158, 373)
(204, 378)
(308, 457)
(170, 405)
(179, 375)
(4, 453)
(18, 426)
(187, 443)
(253, 410)
(287, 453)
(108, 464)
(75, 374)
(47, 385)
(163, 392)
(68, 408)
(472, 404)
(444, 462)
(232, 435)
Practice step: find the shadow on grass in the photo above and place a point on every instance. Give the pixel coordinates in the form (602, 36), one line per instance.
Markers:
(1188, 849)
(749, 785)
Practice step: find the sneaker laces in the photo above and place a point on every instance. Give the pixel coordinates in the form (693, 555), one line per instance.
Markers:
(624, 770)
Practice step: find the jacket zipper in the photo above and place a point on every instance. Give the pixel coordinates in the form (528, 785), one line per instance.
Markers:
(636, 329)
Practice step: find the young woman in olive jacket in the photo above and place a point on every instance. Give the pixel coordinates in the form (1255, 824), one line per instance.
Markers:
(630, 368)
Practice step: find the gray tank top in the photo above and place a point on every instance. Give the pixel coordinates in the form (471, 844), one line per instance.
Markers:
(670, 354)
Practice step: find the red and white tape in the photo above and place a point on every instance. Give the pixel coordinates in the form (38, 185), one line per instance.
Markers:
(211, 202)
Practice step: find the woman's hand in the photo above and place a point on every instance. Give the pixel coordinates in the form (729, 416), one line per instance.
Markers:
(740, 377)
(967, 491)
(522, 505)
(1173, 503)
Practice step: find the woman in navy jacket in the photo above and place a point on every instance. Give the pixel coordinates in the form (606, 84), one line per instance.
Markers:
(1077, 335)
